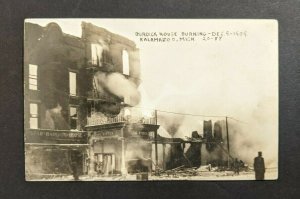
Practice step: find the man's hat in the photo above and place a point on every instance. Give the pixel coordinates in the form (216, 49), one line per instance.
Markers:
(259, 153)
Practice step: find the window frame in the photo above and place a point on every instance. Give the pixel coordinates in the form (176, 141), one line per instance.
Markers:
(76, 78)
(97, 61)
(34, 116)
(33, 77)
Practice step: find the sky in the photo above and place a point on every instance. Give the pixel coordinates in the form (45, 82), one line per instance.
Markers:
(236, 76)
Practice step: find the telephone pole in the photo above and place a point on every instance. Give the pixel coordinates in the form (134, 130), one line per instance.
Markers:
(228, 149)
(156, 150)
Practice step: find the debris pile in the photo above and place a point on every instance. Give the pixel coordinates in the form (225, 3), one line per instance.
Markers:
(181, 171)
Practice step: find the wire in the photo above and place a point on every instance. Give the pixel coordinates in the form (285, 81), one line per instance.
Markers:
(189, 114)
(178, 113)
(237, 120)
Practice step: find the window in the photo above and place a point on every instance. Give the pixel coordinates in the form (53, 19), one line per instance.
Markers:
(73, 118)
(125, 59)
(32, 77)
(33, 121)
(72, 83)
(96, 54)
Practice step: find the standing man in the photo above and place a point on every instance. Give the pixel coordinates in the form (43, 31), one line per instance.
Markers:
(74, 164)
(236, 166)
(259, 167)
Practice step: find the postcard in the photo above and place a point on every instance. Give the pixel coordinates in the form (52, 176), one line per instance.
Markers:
(150, 99)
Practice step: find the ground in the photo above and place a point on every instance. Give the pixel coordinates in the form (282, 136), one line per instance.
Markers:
(271, 174)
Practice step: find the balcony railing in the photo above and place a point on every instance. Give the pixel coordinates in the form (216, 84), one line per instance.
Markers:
(128, 115)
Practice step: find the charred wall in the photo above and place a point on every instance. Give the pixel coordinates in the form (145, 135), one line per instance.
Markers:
(214, 134)
(113, 45)
(193, 153)
(55, 54)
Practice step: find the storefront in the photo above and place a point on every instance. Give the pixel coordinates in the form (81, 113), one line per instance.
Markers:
(120, 148)
(51, 153)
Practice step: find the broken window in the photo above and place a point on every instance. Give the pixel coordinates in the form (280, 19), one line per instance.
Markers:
(33, 77)
(33, 121)
(125, 58)
(73, 118)
(96, 54)
(72, 83)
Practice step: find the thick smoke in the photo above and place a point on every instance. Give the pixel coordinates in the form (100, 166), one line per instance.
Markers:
(115, 83)
(170, 123)
(256, 132)
(247, 139)
(138, 153)
(118, 85)
(54, 119)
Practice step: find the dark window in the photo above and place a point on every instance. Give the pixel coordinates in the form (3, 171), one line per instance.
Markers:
(73, 117)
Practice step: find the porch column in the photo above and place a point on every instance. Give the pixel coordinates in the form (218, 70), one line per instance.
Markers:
(113, 164)
(123, 166)
(92, 159)
(156, 153)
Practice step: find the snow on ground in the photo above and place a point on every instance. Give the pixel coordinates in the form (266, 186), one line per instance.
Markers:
(271, 174)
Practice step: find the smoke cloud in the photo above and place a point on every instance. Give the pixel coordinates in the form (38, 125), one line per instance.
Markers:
(256, 130)
(54, 119)
(118, 85)
(170, 123)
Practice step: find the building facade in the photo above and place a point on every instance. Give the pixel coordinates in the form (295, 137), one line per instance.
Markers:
(79, 98)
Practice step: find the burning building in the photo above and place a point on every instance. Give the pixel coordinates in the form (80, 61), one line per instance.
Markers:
(195, 150)
(80, 94)
(216, 143)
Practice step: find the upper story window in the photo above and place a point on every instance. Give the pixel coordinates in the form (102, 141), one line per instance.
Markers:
(73, 118)
(33, 77)
(33, 120)
(125, 59)
(96, 54)
(72, 83)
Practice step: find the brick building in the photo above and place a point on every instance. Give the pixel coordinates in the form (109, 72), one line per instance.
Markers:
(79, 95)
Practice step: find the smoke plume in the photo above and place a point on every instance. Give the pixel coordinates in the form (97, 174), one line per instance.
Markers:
(254, 132)
(118, 85)
(54, 119)
(171, 123)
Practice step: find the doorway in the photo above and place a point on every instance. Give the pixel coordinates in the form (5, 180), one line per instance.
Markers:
(105, 163)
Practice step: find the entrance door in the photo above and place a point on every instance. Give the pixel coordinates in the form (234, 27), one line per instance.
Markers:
(76, 161)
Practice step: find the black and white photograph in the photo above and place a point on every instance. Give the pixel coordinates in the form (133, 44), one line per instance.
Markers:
(150, 99)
